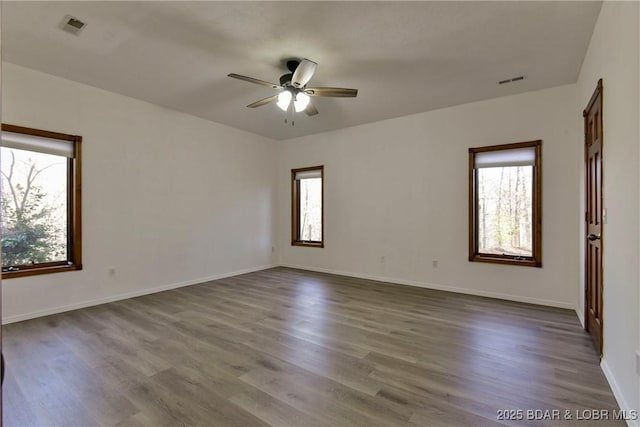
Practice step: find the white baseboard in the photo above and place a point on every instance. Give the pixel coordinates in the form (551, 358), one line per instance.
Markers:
(89, 303)
(454, 289)
(617, 393)
(580, 315)
(112, 298)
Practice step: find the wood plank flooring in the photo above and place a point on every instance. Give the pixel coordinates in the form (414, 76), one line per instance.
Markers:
(286, 347)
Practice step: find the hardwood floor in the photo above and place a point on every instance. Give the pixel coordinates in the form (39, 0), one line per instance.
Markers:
(285, 347)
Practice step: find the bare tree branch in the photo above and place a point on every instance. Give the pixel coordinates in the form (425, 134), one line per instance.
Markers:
(9, 179)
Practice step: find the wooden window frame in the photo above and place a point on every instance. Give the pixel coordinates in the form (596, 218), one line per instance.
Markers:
(474, 255)
(74, 209)
(295, 209)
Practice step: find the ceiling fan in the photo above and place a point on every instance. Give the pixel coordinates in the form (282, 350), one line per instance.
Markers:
(294, 93)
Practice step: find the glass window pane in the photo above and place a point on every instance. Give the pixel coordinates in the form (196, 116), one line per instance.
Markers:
(505, 210)
(311, 209)
(34, 207)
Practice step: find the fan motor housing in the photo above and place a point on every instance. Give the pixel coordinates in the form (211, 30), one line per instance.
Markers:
(292, 64)
(285, 79)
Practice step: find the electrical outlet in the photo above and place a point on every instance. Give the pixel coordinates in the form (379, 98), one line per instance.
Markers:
(383, 259)
(273, 249)
(434, 263)
(112, 271)
(638, 362)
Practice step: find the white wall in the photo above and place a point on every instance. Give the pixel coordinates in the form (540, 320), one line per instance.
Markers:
(399, 189)
(168, 198)
(613, 55)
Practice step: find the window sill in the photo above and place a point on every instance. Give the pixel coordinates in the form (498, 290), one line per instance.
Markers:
(34, 271)
(505, 260)
(308, 244)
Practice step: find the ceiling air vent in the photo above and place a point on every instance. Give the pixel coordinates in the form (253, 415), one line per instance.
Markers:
(72, 25)
(514, 79)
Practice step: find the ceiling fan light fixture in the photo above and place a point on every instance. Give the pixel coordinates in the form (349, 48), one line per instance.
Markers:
(301, 101)
(294, 96)
(284, 99)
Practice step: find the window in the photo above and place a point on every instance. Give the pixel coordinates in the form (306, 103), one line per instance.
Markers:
(505, 224)
(41, 222)
(307, 197)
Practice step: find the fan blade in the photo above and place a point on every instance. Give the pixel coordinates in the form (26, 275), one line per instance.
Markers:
(303, 73)
(311, 110)
(335, 92)
(263, 101)
(256, 81)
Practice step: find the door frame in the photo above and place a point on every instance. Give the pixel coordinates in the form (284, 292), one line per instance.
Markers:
(2, 357)
(596, 93)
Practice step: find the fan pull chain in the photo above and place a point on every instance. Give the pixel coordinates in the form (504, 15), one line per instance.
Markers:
(286, 114)
(293, 123)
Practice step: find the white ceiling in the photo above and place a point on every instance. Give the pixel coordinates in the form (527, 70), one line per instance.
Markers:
(404, 57)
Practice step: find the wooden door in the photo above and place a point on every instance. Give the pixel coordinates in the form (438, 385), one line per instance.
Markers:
(593, 217)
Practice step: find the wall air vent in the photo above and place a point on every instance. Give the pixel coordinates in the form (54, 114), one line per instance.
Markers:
(513, 79)
(72, 25)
